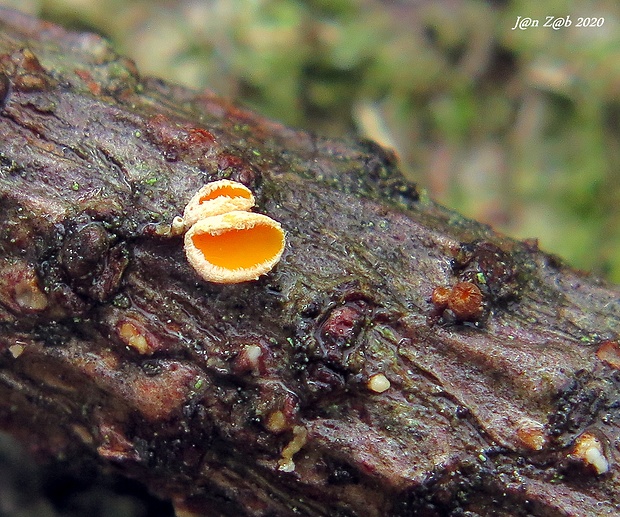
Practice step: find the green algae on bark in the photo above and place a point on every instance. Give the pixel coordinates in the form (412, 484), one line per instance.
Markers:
(256, 399)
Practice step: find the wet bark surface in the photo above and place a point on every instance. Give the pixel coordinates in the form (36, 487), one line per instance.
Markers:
(342, 383)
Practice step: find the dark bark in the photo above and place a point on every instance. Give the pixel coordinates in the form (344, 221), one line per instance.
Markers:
(511, 409)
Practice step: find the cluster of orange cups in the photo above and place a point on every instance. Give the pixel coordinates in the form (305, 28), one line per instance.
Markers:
(227, 243)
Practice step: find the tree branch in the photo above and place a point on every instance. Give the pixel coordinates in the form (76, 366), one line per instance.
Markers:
(342, 383)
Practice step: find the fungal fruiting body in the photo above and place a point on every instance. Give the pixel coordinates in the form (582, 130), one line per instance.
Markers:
(234, 247)
(589, 450)
(378, 383)
(609, 353)
(531, 434)
(441, 296)
(215, 198)
(226, 243)
(464, 300)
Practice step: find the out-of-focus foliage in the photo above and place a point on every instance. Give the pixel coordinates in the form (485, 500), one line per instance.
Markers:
(518, 128)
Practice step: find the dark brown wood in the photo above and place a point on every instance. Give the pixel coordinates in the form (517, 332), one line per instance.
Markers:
(265, 398)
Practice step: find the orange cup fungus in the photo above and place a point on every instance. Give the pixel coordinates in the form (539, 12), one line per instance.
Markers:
(226, 243)
(215, 198)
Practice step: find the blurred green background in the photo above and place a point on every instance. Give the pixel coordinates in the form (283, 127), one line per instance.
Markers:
(516, 128)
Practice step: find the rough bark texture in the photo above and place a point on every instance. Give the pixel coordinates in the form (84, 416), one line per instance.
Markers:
(254, 399)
